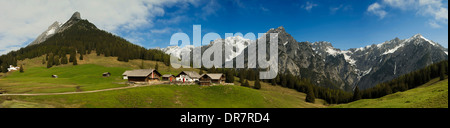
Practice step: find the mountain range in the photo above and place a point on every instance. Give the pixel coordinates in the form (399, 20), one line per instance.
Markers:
(320, 62)
(344, 69)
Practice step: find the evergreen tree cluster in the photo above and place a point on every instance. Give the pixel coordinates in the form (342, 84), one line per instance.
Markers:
(408, 81)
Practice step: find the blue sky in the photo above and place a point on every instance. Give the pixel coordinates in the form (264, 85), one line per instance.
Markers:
(150, 23)
(344, 23)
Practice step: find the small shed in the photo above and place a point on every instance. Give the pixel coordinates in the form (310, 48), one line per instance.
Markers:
(106, 74)
(215, 78)
(168, 77)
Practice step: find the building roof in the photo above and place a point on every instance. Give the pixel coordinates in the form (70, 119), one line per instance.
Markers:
(141, 72)
(191, 74)
(126, 73)
(167, 75)
(215, 76)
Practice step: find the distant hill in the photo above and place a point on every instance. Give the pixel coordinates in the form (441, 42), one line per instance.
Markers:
(79, 36)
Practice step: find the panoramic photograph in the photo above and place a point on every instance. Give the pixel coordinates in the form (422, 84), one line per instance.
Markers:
(223, 54)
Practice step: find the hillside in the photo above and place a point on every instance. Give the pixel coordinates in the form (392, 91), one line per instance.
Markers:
(80, 37)
(433, 94)
(167, 96)
(87, 75)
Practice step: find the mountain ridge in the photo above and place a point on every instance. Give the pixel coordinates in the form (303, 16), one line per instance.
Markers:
(345, 69)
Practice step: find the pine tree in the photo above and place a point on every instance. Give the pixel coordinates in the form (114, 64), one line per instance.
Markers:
(21, 69)
(257, 84)
(56, 60)
(241, 76)
(50, 61)
(273, 82)
(356, 94)
(81, 57)
(75, 61)
(229, 76)
(310, 96)
(442, 72)
(246, 84)
(201, 72)
(64, 60)
(72, 57)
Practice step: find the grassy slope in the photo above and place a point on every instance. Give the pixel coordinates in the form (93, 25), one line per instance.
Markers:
(87, 75)
(168, 96)
(36, 79)
(434, 94)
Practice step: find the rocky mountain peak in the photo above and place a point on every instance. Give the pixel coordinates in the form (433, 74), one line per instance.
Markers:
(76, 16)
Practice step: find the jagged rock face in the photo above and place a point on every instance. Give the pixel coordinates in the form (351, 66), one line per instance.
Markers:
(397, 57)
(345, 69)
(76, 17)
(52, 29)
(371, 65)
(58, 28)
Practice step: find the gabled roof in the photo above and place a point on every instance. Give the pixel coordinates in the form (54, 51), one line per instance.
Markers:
(191, 74)
(126, 73)
(168, 75)
(141, 72)
(215, 76)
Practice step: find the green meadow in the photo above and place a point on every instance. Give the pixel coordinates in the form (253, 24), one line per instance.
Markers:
(88, 77)
(434, 94)
(70, 79)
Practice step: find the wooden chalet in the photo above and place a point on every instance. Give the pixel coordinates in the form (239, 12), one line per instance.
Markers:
(143, 76)
(213, 78)
(168, 77)
(188, 76)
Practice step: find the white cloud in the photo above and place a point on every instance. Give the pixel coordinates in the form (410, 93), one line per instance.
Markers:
(435, 9)
(433, 24)
(377, 9)
(309, 6)
(402, 4)
(209, 9)
(333, 10)
(22, 21)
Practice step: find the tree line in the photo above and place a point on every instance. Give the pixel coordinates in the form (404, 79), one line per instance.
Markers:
(407, 81)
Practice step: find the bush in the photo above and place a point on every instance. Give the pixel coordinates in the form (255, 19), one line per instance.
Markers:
(257, 84)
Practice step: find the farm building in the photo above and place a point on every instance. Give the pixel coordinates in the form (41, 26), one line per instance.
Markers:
(106, 74)
(216, 78)
(168, 77)
(12, 68)
(125, 75)
(188, 76)
(143, 75)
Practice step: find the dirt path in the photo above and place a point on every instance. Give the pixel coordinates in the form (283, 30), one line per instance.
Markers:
(69, 93)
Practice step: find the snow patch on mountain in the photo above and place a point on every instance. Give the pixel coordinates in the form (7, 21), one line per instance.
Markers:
(238, 42)
(393, 50)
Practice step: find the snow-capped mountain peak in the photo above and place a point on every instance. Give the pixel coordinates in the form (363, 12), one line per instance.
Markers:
(239, 42)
